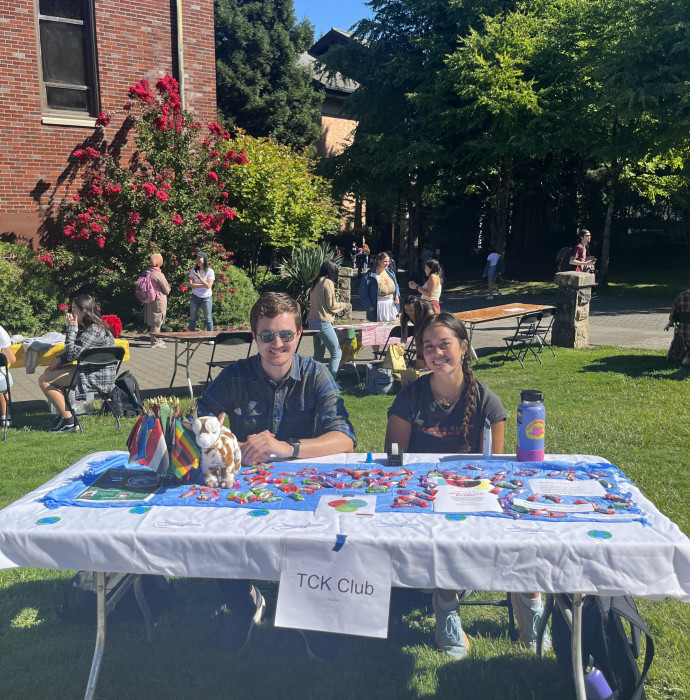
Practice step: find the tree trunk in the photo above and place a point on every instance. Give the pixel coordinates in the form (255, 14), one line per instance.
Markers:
(414, 207)
(500, 212)
(603, 276)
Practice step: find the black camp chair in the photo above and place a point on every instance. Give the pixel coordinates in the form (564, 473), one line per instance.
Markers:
(96, 358)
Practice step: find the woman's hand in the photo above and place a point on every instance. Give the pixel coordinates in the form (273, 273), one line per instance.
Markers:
(396, 299)
(412, 285)
(71, 319)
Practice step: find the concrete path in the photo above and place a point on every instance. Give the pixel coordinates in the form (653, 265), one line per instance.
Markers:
(625, 323)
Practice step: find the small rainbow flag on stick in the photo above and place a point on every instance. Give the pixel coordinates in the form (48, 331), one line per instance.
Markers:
(184, 452)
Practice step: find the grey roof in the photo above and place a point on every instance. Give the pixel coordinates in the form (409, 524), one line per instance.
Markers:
(335, 82)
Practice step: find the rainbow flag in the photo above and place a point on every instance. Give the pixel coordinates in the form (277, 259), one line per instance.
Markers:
(184, 453)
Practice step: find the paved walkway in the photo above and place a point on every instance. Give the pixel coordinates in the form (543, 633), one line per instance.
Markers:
(625, 323)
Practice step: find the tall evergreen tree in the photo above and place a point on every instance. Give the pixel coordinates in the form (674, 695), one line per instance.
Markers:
(261, 87)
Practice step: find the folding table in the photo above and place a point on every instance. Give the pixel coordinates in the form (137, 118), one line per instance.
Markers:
(495, 313)
(426, 550)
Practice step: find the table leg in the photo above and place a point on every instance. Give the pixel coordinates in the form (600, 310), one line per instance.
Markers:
(470, 333)
(172, 381)
(100, 636)
(189, 359)
(576, 648)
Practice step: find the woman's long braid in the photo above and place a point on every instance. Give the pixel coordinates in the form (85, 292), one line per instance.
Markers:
(470, 397)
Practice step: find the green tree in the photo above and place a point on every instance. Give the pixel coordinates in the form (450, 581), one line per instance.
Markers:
(260, 85)
(279, 200)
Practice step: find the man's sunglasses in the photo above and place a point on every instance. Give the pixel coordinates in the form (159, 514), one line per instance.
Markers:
(270, 336)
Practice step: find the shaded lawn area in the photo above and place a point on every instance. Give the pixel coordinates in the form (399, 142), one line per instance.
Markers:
(628, 406)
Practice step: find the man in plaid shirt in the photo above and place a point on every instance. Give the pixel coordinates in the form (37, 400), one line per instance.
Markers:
(280, 405)
(681, 304)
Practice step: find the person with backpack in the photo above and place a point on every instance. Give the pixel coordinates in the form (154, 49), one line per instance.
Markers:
(58, 375)
(201, 278)
(155, 309)
(579, 255)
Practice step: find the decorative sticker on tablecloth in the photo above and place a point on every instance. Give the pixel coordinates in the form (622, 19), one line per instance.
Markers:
(346, 504)
(600, 534)
(48, 521)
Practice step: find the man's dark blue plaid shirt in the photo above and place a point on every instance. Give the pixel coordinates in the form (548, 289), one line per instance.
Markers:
(305, 404)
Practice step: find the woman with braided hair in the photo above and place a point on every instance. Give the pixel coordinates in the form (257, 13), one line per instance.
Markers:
(445, 412)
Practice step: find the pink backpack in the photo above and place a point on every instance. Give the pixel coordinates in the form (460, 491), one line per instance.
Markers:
(145, 291)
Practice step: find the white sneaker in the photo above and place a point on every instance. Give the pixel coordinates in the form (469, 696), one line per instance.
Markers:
(685, 362)
(491, 296)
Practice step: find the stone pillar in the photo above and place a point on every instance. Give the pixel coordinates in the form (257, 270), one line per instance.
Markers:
(344, 289)
(571, 325)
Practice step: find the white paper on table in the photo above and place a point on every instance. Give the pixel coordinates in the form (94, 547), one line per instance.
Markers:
(515, 308)
(453, 499)
(346, 504)
(563, 487)
(347, 591)
(555, 507)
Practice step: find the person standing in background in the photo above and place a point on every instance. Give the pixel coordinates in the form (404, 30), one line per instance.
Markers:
(431, 289)
(491, 272)
(5, 380)
(322, 309)
(155, 311)
(201, 278)
(579, 256)
(353, 254)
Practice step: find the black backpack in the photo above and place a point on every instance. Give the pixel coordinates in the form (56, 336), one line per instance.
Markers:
(80, 597)
(563, 260)
(124, 398)
(606, 644)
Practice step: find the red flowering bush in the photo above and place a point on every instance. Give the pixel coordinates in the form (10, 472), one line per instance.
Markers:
(114, 323)
(169, 197)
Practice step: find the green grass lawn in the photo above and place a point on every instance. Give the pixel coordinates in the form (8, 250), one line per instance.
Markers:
(628, 406)
(649, 283)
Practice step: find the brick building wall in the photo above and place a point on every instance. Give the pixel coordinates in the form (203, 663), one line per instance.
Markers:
(133, 41)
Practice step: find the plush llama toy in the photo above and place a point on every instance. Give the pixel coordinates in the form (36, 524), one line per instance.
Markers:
(220, 453)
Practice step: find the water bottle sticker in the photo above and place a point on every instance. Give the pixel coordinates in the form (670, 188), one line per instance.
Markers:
(535, 429)
(519, 416)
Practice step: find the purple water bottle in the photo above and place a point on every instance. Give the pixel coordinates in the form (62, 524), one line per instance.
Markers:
(596, 687)
(531, 426)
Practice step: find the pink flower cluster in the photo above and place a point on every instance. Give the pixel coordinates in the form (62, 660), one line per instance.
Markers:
(83, 155)
(214, 222)
(141, 91)
(103, 119)
(47, 259)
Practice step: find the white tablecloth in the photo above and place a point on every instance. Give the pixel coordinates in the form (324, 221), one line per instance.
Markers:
(426, 550)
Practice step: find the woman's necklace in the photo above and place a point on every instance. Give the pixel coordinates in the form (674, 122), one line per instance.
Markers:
(446, 402)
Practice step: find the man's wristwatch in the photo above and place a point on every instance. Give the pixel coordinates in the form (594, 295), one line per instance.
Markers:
(296, 444)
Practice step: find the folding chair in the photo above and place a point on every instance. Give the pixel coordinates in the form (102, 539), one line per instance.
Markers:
(233, 338)
(520, 343)
(5, 373)
(544, 328)
(396, 332)
(681, 318)
(95, 358)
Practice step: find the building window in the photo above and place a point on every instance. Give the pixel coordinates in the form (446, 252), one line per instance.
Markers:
(67, 43)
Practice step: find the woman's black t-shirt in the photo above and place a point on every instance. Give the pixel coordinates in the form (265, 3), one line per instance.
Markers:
(437, 430)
